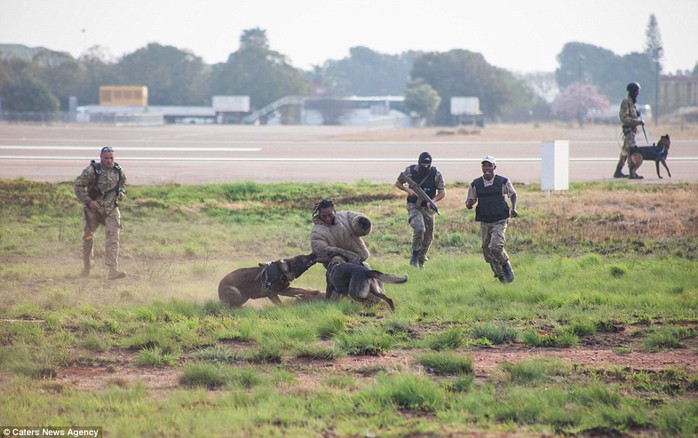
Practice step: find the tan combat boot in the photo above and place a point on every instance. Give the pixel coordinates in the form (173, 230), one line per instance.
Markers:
(115, 274)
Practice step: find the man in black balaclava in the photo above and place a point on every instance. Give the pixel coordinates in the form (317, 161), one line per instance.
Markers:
(420, 213)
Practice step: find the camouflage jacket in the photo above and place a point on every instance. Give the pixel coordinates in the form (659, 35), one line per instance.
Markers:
(107, 187)
(628, 114)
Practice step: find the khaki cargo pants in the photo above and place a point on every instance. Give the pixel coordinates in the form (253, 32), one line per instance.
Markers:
(628, 142)
(421, 220)
(112, 226)
(493, 238)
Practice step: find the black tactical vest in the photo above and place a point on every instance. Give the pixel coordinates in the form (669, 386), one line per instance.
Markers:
(428, 184)
(491, 205)
(95, 193)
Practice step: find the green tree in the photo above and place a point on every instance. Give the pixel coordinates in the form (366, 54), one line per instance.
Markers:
(173, 76)
(99, 70)
(369, 73)
(65, 78)
(259, 72)
(27, 94)
(654, 49)
(422, 100)
(463, 73)
(610, 73)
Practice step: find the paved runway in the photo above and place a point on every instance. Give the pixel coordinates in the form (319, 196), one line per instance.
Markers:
(203, 154)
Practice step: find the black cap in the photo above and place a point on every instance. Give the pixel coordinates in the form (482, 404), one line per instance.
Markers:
(424, 157)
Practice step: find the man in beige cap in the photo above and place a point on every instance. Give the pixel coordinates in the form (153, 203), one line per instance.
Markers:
(492, 211)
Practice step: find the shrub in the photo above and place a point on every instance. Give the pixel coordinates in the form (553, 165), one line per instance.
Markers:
(405, 391)
(447, 340)
(497, 334)
(155, 357)
(370, 341)
(205, 375)
(446, 363)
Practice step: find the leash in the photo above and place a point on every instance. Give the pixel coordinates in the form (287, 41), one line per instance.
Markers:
(639, 116)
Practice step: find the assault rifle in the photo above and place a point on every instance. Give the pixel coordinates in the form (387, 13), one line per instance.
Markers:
(421, 193)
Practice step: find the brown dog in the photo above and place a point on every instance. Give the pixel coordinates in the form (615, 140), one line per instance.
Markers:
(269, 280)
(658, 153)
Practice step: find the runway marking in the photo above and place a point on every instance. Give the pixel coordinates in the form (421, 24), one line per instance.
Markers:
(128, 148)
(319, 142)
(316, 160)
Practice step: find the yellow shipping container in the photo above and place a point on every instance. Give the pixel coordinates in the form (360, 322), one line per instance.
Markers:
(123, 95)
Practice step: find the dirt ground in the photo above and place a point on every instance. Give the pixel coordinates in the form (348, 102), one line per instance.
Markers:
(609, 351)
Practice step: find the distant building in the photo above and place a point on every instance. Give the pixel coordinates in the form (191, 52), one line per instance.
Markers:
(677, 91)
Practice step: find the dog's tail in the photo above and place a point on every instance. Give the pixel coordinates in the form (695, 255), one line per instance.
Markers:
(386, 278)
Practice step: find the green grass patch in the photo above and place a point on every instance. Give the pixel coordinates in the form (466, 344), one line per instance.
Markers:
(585, 279)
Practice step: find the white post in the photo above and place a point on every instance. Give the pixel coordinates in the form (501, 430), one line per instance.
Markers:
(555, 165)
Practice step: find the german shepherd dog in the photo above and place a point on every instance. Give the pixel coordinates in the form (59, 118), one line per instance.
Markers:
(657, 152)
(359, 282)
(268, 280)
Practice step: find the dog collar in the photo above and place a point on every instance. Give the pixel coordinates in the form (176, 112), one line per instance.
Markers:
(287, 272)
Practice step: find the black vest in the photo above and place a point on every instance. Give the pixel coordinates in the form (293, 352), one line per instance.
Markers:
(428, 185)
(491, 205)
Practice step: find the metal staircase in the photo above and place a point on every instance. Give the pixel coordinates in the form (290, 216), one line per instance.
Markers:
(287, 100)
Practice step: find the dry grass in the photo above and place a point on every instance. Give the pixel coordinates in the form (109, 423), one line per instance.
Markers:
(597, 219)
(601, 214)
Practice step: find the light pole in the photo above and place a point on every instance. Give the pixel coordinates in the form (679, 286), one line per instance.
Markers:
(655, 113)
(580, 109)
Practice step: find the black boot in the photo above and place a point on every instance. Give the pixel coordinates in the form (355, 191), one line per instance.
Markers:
(414, 260)
(619, 172)
(508, 272)
(497, 269)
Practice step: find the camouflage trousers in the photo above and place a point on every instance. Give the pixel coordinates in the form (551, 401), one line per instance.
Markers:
(628, 142)
(421, 220)
(493, 238)
(111, 219)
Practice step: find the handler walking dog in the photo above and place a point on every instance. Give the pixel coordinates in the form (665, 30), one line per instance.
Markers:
(268, 280)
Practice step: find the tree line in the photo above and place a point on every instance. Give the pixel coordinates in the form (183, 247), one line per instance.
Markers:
(591, 75)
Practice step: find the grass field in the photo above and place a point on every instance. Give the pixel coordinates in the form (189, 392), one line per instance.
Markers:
(597, 336)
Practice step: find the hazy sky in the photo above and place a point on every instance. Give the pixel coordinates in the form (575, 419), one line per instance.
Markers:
(518, 35)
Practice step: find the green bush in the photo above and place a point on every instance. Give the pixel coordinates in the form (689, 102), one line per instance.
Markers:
(404, 391)
(446, 363)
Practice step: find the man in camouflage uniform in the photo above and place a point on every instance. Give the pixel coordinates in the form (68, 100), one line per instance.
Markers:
(420, 214)
(630, 119)
(98, 188)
